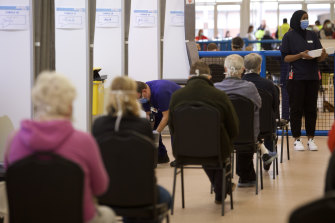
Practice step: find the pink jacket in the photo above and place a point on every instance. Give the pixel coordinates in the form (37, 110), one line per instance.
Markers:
(61, 138)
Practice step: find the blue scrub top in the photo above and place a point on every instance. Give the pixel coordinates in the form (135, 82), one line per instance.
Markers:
(161, 92)
(294, 43)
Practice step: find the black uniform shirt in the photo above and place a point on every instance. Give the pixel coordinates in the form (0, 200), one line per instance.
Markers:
(294, 43)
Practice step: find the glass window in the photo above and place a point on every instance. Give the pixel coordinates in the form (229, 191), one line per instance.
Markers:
(204, 19)
(287, 10)
(319, 12)
(228, 21)
(266, 11)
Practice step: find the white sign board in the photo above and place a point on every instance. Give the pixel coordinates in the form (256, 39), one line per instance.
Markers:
(108, 18)
(177, 18)
(14, 17)
(145, 18)
(70, 18)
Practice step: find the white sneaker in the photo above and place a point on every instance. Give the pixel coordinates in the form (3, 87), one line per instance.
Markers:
(298, 146)
(311, 145)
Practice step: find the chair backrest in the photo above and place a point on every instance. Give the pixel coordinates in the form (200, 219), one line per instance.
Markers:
(129, 159)
(45, 188)
(245, 109)
(266, 119)
(217, 72)
(192, 52)
(196, 131)
(321, 211)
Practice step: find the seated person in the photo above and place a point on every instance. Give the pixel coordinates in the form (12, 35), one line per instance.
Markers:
(123, 91)
(213, 60)
(52, 131)
(237, 44)
(267, 36)
(232, 84)
(155, 97)
(218, 99)
(252, 64)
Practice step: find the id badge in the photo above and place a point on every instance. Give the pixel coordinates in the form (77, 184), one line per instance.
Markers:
(290, 75)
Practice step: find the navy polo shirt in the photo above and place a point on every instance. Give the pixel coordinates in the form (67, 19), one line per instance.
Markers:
(293, 43)
(161, 92)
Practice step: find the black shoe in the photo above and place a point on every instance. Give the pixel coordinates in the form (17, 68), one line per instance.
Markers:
(268, 158)
(246, 183)
(163, 159)
(267, 166)
(173, 163)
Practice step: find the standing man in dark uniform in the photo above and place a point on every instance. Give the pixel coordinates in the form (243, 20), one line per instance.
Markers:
(155, 97)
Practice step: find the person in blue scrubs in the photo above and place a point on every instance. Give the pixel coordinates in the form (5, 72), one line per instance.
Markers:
(303, 77)
(155, 98)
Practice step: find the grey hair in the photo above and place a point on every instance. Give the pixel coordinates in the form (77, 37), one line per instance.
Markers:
(234, 65)
(53, 94)
(252, 63)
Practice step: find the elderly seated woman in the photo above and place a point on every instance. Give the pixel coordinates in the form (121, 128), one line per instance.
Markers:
(123, 104)
(52, 131)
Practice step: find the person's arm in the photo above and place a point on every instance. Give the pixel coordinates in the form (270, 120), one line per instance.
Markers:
(322, 34)
(301, 55)
(163, 122)
(323, 56)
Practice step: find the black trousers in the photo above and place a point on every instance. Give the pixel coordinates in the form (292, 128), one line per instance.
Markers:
(245, 166)
(303, 96)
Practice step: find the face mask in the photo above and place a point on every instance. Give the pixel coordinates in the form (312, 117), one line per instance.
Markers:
(304, 24)
(329, 25)
(143, 100)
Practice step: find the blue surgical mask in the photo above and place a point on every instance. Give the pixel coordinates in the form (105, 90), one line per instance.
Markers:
(304, 24)
(143, 100)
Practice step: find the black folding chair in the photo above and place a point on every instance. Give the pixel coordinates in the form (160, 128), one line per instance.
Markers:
(321, 211)
(130, 159)
(245, 142)
(196, 141)
(282, 125)
(267, 124)
(217, 72)
(45, 187)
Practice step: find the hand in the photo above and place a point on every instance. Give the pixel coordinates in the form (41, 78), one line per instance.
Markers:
(324, 54)
(304, 55)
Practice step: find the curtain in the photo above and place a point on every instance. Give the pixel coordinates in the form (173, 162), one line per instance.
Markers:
(44, 35)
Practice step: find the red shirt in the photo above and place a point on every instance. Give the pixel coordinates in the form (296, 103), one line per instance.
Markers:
(331, 138)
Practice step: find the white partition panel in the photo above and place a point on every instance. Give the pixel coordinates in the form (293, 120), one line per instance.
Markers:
(109, 38)
(16, 64)
(72, 53)
(175, 60)
(143, 48)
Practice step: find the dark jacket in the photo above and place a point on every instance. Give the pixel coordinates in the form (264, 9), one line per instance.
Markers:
(107, 123)
(264, 84)
(201, 89)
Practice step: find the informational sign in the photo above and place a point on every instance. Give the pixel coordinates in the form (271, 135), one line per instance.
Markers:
(14, 17)
(108, 18)
(145, 18)
(188, 2)
(70, 18)
(177, 18)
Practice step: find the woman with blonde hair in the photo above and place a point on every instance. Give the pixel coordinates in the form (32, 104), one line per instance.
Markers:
(52, 131)
(124, 114)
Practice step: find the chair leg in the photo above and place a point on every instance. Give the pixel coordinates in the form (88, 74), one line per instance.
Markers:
(174, 189)
(257, 157)
(287, 144)
(167, 218)
(261, 169)
(282, 145)
(274, 161)
(232, 164)
(182, 186)
(231, 192)
(223, 192)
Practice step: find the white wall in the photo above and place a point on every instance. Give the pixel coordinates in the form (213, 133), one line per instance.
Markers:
(143, 42)
(109, 41)
(15, 68)
(72, 61)
(175, 59)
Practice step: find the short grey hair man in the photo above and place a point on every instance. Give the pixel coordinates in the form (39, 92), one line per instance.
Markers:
(234, 65)
(252, 63)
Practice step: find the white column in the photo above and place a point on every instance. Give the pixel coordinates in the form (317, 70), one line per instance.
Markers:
(72, 53)
(175, 60)
(109, 38)
(143, 41)
(245, 17)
